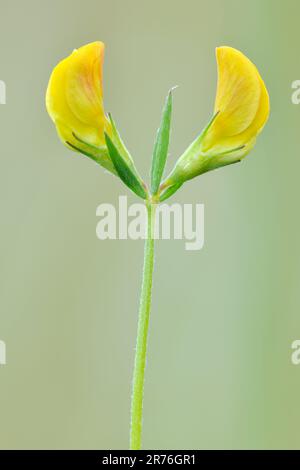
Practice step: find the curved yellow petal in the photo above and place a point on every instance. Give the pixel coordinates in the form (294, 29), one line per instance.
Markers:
(74, 97)
(242, 102)
(241, 110)
(84, 83)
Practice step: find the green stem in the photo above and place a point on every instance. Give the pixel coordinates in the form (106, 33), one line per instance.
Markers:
(142, 335)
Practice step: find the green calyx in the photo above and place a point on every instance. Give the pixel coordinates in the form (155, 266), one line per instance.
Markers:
(124, 170)
(114, 157)
(97, 154)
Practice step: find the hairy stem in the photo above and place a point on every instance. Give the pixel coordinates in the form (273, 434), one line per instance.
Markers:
(142, 335)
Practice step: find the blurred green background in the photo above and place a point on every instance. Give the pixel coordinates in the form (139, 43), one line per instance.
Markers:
(219, 369)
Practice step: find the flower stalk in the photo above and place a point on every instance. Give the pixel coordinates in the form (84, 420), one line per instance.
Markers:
(142, 334)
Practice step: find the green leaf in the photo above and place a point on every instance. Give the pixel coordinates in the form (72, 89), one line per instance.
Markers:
(161, 146)
(124, 171)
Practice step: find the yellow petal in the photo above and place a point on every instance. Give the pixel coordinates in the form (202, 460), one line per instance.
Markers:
(241, 110)
(74, 96)
(242, 102)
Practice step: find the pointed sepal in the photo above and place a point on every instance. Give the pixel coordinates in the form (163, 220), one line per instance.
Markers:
(124, 171)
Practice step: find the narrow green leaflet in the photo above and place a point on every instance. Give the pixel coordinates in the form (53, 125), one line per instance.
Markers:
(123, 170)
(161, 146)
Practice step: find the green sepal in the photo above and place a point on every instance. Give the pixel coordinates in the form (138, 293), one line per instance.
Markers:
(218, 160)
(161, 146)
(168, 192)
(124, 171)
(210, 123)
(195, 162)
(117, 140)
(97, 154)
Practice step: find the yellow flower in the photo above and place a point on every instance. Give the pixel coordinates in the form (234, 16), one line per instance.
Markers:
(74, 101)
(241, 111)
(242, 102)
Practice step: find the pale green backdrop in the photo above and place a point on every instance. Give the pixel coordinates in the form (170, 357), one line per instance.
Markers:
(219, 370)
